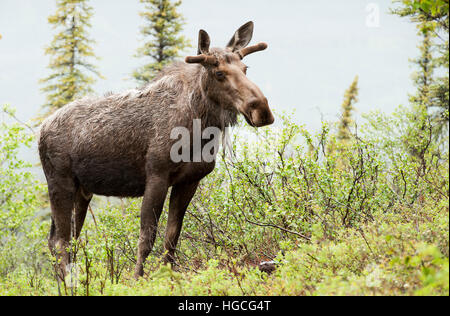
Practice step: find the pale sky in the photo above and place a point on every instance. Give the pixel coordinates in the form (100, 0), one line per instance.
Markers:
(316, 48)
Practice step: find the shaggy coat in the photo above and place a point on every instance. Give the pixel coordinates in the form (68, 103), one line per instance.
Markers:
(104, 143)
(120, 144)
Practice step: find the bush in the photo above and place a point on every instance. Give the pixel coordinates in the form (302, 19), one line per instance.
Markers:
(22, 231)
(365, 217)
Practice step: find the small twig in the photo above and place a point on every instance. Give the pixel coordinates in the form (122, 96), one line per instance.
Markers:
(10, 114)
(278, 227)
(93, 217)
(367, 243)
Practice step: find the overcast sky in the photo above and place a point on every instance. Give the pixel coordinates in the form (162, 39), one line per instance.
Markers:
(316, 48)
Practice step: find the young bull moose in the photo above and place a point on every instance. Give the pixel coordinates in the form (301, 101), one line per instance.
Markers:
(120, 145)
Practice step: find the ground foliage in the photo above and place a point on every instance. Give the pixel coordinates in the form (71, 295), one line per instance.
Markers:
(367, 219)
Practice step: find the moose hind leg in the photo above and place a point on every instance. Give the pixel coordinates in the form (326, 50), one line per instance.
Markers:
(62, 195)
(82, 200)
(180, 198)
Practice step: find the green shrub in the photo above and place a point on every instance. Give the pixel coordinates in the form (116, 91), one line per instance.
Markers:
(22, 231)
(364, 217)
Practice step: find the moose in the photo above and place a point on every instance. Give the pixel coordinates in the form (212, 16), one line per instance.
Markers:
(119, 145)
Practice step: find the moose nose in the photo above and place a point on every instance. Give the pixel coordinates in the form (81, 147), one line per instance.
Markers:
(259, 113)
(270, 119)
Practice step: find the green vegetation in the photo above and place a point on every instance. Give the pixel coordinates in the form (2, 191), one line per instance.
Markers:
(70, 52)
(376, 225)
(162, 36)
(21, 229)
(344, 211)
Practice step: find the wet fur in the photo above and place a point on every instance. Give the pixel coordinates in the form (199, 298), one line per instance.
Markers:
(105, 144)
(119, 145)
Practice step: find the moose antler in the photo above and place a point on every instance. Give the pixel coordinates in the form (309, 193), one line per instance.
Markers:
(201, 59)
(251, 49)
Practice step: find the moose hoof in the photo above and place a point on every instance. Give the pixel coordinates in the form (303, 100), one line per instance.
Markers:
(138, 272)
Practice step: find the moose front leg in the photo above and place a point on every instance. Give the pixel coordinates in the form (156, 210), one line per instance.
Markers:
(179, 201)
(152, 206)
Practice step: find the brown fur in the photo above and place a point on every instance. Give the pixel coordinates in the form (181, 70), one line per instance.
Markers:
(119, 145)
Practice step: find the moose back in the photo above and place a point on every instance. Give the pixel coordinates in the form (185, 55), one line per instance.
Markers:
(120, 145)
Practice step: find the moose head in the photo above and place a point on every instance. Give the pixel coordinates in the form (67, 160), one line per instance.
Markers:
(227, 83)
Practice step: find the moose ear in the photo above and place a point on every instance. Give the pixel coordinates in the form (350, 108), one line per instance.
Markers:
(203, 42)
(242, 37)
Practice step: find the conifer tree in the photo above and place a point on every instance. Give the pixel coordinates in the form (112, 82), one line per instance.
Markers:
(432, 19)
(430, 102)
(439, 92)
(423, 78)
(70, 54)
(346, 121)
(162, 34)
(342, 138)
(417, 140)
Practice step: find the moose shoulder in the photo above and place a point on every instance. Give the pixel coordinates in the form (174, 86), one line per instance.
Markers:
(120, 145)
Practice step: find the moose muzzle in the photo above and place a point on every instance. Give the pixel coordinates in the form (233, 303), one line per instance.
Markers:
(258, 113)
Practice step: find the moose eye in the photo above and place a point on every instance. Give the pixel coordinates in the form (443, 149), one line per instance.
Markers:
(220, 75)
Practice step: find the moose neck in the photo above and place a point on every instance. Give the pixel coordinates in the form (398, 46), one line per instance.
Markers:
(205, 108)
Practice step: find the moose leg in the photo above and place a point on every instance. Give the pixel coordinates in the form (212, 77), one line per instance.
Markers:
(82, 200)
(180, 198)
(62, 194)
(152, 206)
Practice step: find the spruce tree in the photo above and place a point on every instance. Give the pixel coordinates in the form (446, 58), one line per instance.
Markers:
(351, 97)
(417, 140)
(432, 19)
(431, 101)
(439, 92)
(162, 34)
(70, 54)
(341, 139)
(423, 78)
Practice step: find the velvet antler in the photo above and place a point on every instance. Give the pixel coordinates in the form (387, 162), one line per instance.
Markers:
(201, 59)
(251, 49)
